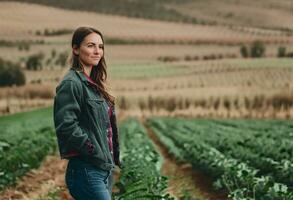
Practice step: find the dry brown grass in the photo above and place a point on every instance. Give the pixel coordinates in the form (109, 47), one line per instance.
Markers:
(122, 53)
(150, 53)
(205, 80)
(279, 105)
(16, 105)
(212, 90)
(269, 13)
(207, 83)
(24, 98)
(45, 76)
(29, 91)
(21, 21)
(210, 80)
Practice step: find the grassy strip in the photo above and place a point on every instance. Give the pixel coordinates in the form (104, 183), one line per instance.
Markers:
(146, 70)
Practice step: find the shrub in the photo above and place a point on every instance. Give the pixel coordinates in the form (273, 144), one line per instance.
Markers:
(123, 103)
(61, 59)
(257, 49)
(151, 103)
(290, 55)
(57, 32)
(53, 53)
(171, 104)
(168, 58)
(281, 52)
(141, 104)
(23, 46)
(227, 103)
(216, 103)
(34, 62)
(10, 74)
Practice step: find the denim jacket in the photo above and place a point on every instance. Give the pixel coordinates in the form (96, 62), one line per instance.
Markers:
(81, 121)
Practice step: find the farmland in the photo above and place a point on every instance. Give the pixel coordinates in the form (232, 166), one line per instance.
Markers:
(25, 143)
(270, 14)
(26, 138)
(143, 178)
(204, 96)
(246, 158)
(161, 60)
(251, 159)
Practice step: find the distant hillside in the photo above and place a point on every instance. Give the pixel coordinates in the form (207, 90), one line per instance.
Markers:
(269, 14)
(22, 21)
(149, 9)
(273, 14)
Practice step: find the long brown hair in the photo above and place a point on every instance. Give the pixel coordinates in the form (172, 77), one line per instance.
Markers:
(98, 72)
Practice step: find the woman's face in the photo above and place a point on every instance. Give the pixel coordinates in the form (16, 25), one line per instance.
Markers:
(91, 50)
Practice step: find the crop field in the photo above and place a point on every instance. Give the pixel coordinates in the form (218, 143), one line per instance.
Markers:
(237, 80)
(234, 85)
(203, 93)
(25, 139)
(248, 159)
(144, 71)
(257, 75)
(143, 179)
(251, 159)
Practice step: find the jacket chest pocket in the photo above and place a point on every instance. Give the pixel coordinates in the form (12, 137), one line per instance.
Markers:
(97, 109)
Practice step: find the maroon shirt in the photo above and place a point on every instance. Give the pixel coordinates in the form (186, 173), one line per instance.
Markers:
(110, 133)
(109, 129)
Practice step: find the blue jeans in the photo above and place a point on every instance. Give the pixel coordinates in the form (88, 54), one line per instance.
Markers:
(87, 182)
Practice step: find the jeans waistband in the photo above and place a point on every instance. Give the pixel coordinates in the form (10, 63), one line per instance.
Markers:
(78, 162)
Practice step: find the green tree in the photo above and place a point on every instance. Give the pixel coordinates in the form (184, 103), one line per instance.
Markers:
(34, 62)
(61, 59)
(257, 49)
(244, 51)
(282, 52)
(53, 53)
(11, 74)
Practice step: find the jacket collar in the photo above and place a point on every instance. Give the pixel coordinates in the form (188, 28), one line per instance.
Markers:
(80, 75)
(84, 79)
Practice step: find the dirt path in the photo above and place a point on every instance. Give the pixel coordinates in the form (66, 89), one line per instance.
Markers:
(182, 175)
(37, 183)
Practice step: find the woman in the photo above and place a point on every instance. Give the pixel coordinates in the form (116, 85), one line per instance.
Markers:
(85, 121)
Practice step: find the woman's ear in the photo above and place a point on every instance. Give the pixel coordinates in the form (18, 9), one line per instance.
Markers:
(75, 50)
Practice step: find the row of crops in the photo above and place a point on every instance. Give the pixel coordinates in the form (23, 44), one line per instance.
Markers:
(26, 138)
(140, 177)
(250, 159)
(158, 69)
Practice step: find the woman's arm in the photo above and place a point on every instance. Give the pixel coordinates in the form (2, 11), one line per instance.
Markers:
(67, 111)
(115, 139)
